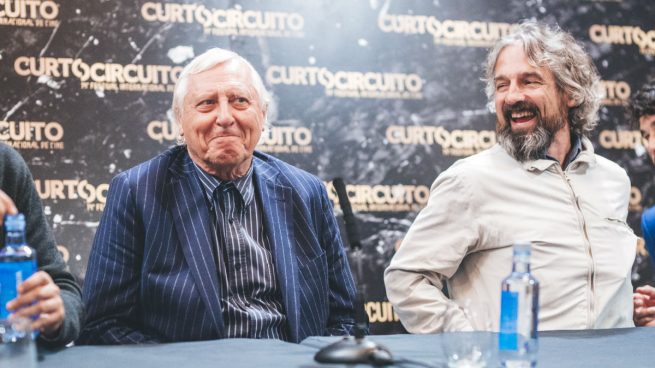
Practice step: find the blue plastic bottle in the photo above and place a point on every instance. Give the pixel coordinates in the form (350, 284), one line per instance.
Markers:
(519, 312)
(17, 260)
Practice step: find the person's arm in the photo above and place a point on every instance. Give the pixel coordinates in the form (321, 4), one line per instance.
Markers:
(111, 286)
(435, 245)
(342, 287)
(52, 293)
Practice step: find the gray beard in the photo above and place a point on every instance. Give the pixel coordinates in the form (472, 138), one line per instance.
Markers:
(525, 147)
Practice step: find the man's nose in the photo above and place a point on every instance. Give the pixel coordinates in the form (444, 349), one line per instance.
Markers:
(514, 94)
(224, 114)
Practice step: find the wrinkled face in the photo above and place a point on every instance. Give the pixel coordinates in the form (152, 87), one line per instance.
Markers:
(222, 118)
(647, 128)
(527, 96)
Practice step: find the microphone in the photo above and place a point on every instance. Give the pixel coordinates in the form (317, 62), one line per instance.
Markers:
(348, 216)
(354, 350)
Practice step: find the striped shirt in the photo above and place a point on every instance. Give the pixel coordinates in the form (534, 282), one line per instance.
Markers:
(250, 295)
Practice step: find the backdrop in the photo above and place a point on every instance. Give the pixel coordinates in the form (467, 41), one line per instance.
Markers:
(386, 94)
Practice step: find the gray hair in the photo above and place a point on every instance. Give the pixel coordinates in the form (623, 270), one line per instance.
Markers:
(206, 61)
(574, 71)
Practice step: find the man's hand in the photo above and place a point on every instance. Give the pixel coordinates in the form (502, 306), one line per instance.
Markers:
(643, 301)
(39, 296)
(7, 206)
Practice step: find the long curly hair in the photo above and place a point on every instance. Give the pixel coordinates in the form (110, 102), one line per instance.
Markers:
(574, 71)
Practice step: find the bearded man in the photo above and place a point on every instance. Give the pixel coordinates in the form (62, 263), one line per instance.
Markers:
(542, 182)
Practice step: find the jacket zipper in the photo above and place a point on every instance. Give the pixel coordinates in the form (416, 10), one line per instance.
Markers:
(591, 276)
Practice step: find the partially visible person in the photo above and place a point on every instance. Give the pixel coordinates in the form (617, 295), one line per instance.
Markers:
(541, 183)
(642, 108)
(212, 239)
(51, 293)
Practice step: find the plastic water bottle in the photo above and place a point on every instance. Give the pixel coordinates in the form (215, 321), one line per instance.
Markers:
(519, 312)
(17, 261)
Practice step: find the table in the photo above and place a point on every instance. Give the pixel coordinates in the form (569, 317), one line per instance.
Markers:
(631, 347)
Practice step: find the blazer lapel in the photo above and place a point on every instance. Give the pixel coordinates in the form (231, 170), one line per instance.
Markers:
(194, 232)
(277, 208)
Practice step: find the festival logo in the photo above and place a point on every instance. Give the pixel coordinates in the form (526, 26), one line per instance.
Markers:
(29, 13)
(615, 93)
(446, 32)
(227, 22)
(380, 312)
(619, 139)
(624, 35)
(456, 142)
(383, 198)
(161, 131)
(349, 84)
(94, 196)
(34, 135)
(101, 76)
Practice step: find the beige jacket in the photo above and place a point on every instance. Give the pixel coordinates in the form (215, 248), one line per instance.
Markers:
(582, 249)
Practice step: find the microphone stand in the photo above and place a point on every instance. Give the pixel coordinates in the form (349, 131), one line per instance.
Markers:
(354, 349)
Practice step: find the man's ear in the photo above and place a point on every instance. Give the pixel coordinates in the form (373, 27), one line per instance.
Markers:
(177, 117)
(264, 116)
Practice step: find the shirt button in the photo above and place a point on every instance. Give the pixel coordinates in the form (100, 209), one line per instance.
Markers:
(237, 266)
(231, 220)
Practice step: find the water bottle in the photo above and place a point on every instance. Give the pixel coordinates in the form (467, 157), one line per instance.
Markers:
(519, 312)
(17, 261)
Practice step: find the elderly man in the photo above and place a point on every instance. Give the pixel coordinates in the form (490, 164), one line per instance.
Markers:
(642, 107)
(51, 293)
(541, 183)
(212, 240)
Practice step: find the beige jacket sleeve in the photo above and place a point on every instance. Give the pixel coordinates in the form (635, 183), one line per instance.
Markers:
(431, 252)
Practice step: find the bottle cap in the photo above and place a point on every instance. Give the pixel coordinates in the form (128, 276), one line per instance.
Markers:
(15, 222)
(522, 247)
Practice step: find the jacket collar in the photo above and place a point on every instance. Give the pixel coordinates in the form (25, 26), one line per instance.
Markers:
(586, 157)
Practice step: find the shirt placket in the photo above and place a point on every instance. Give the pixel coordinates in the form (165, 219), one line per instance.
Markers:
(222, 226)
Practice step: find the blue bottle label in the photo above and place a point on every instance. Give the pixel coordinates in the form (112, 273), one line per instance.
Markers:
(509, 308)
(13, 274)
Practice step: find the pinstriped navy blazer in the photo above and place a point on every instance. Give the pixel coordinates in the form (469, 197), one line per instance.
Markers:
(152, 276)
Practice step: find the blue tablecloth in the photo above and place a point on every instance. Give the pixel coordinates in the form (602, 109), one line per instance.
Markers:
(632, 347)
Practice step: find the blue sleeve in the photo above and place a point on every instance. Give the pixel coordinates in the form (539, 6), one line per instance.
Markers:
(648, 231)
(111, 286)
(342, 286)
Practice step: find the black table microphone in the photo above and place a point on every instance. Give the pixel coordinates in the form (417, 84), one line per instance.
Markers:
(354, 349)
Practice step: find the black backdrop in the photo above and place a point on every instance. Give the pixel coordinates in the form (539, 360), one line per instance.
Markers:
(386, 94)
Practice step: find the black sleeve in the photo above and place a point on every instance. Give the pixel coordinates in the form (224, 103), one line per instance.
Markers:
(17, 182)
